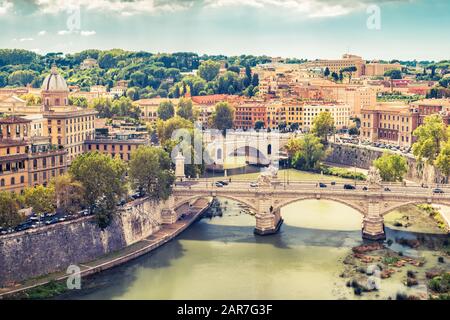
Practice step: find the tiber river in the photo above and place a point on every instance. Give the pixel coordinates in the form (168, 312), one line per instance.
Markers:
(221, 258)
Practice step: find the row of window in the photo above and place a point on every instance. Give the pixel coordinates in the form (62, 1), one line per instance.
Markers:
(13, 181)
(105, 147)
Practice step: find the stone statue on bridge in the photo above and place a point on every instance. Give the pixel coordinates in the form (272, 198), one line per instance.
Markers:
(374, 178)
(267, 176)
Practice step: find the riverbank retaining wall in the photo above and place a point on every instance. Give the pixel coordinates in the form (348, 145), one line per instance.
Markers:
(362, 157)
(33, 253)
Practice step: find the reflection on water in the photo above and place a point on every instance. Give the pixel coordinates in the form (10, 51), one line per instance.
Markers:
(221, 258)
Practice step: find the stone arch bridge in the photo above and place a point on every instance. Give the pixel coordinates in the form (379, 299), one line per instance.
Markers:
(267, 201)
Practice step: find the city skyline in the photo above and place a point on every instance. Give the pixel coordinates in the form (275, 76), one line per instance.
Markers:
(297, 28)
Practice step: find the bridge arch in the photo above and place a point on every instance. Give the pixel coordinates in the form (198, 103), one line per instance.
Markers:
(251, 153)
(352, 204)
(179, 202)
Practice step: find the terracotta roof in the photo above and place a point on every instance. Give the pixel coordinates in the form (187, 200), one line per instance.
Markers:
(13, 119)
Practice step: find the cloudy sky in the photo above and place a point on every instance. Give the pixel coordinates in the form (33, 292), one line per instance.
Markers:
(383, 29)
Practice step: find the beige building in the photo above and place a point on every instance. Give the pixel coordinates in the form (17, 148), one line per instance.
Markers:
(374, 68)
(340, 112)
(389, 123)
(149, 107)
(88, 63)
(66, 125)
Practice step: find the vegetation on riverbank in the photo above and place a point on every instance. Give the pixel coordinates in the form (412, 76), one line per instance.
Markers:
(45, 291)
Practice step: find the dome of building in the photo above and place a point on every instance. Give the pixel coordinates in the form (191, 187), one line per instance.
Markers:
(54, 82)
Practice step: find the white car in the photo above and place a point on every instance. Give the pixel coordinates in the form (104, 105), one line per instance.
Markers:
(253, 185)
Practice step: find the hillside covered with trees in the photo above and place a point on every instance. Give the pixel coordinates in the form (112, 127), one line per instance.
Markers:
(149, 75)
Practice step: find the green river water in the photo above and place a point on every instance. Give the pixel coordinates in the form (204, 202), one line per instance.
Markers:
(221, 258)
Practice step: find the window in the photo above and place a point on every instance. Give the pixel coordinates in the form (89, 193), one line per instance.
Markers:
(22, 179)
(13, 181)
(2, 182)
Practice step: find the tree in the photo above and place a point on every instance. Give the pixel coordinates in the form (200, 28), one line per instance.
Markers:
(150, 170)
(209, 70)
(165, 129)
(107, 60)
(349, 71)
(21, 77)
(429, 136)
(443, 159)
(255, 80)
(259, 125)
(223, 116)
(41, 198)
(292, 146)
(392, 167)
(335, 76)
(393, 74)
(9, 210)
(166, 110)
(323, 125)
(184, 109)
(326, 73)
(102, 178)
(69, 193)
(310, 152)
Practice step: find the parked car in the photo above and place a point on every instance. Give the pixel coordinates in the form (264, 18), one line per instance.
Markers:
(333, 183)
(349, 187)
(322, 185)
(253, 185)
(437, 190)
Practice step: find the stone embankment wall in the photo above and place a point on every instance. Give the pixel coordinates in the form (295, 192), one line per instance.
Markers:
(361, 157)
(33, 253)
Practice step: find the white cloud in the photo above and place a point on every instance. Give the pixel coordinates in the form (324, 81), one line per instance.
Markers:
(88, 33)
(42, 33)
(309, 8)
(5, 7)
(26, 39)
(35, 50)
(125, 8)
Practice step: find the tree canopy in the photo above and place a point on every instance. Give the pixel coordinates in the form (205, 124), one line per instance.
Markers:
(103, 179)
(150, 170)
(392, 167)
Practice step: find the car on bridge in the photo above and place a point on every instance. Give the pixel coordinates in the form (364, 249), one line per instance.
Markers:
(387, 189)
(218, 184)
(437, 190)
(349, 187)
(253, 185)
(225, 183)
(322, 185)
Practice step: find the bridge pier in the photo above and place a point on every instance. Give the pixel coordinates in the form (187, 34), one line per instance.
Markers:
(373, 222)
(168, 213)
(268, 221)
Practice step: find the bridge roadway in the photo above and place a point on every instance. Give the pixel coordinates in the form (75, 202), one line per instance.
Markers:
(267, 201)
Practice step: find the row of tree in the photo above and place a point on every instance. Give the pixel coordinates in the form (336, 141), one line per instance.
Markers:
(97, 182)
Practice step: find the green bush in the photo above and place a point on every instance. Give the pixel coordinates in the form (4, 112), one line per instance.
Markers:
(343, 173)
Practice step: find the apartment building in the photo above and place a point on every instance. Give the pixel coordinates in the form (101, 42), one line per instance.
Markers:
(248, 113)
(395, 122)
(118, 144)
(389, 123)
(67, 126)
(340, 112)
(14, 134)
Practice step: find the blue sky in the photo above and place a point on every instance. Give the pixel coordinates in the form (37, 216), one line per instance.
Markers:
(409, 29)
